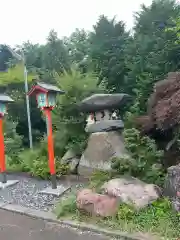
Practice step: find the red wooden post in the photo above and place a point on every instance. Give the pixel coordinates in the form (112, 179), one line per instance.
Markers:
(52, 165)
(2, 152)
(46, 100)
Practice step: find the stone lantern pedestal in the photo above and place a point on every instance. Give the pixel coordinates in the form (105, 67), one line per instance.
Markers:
(101, 148)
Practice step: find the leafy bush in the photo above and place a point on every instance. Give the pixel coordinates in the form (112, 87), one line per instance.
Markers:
(36, 162)
(66, 206)
(158, 217)
(13, 142)
(98, 178)
(40, 167)
(159, 209)
(13, 167)
(143, 154)
(125, 212)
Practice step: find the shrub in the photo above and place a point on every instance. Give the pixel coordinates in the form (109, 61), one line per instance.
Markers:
(26, 159)
(143, 154)
(11, 166)
(66, 206)
(36, 162)
(13, 142)
(98, 178)
(158, 209)
(40, 167)
(158, 218)
(125, 212)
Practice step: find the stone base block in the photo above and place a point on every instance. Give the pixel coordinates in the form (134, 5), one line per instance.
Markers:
(57, 192)
(9, 183)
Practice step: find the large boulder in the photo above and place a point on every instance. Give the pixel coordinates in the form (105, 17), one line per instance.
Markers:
(172, 185)
(96, 204)
(105, 126)
(172, 182)
(68, 156)
(101, 147)
(131, 190)
(71, 158)
(98, 102)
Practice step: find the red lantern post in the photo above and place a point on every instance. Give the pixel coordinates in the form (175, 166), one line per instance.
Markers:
(52, 165)
(2, 152)
(46, 100)
(4, 99)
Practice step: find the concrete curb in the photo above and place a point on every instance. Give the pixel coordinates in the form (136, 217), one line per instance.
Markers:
(49, 216)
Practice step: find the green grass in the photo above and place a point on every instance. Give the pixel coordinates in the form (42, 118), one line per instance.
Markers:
(66, 207)
(158, 219)
(98, 178)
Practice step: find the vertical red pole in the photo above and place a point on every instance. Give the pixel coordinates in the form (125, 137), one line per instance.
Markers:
(52, 166)
(2, 152)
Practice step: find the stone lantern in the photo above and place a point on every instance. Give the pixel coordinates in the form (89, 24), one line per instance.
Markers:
(4, 100)
(46, 101)
(105, 128)
(45, 95)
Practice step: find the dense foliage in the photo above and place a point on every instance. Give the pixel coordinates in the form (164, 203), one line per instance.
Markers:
(144, 159)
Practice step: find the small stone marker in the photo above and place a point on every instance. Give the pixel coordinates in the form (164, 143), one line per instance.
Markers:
(57, 191)
(9, 183)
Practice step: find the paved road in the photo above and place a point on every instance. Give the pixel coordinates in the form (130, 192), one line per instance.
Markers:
(19, 227)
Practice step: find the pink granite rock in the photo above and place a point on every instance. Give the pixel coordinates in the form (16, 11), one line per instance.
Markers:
(131, 190)
(96, 204)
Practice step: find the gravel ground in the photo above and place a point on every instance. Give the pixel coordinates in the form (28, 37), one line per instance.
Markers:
(27, 193)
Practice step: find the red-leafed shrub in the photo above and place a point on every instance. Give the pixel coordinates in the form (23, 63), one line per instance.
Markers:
(163, 111)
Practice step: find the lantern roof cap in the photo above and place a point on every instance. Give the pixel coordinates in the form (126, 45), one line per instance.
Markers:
(41, 86)
(99, 102)
(49, 87)
(5, 98)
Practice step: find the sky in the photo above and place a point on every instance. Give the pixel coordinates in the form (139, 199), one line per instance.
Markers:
(23, 20)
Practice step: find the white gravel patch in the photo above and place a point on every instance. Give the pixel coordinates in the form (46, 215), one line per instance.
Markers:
(27, 193)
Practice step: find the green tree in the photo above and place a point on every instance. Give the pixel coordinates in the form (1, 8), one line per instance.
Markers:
(108, 43)
(78, 45)
(33, 55)
(153, 51)
(156, 16)
(55, 54)
(5, 56)
(175, 28)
